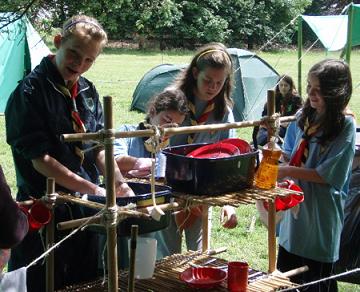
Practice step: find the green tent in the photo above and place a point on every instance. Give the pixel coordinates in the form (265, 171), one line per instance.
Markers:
(253, 77)
(21, 49)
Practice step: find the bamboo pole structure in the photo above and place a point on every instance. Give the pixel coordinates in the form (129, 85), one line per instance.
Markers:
(108, 135)
(113, 284)
(50, 231)
(271, 210)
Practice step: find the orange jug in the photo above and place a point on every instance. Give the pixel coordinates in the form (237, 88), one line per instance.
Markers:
(266, 176)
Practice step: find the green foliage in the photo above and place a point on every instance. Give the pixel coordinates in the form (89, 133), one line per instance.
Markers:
(175, 23)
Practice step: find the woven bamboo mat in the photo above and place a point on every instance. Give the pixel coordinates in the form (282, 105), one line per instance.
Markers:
(167, 272)
(244, 196)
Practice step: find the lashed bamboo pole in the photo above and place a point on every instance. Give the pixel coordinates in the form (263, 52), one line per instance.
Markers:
(143, 212)
(110, 195)
(271, 209)
(78, 222)
(50, 231)
(172, 131)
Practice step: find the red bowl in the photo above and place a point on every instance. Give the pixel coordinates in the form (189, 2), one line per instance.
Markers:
(217, 150)
(203, 277)
(284, 203)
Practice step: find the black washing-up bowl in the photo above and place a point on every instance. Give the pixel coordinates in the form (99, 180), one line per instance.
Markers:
(208, 176)
(142, 199)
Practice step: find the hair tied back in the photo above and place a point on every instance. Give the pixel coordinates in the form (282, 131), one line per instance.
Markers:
(71, 24)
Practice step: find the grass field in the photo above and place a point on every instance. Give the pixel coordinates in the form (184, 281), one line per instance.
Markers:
(117, 72)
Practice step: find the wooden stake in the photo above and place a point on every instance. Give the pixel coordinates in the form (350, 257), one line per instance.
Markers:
(50, 231)
(133, 239)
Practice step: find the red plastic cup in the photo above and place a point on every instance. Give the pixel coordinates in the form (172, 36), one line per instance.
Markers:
(238, 276)
(38, 216)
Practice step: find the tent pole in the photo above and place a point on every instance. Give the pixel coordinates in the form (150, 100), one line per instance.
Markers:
(300, 48)
(349, 33)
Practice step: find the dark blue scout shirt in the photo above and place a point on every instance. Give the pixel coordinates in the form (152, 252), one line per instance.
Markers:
(36, 114)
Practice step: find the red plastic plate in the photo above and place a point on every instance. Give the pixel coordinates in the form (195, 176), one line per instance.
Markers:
(242, 145)
(203, 277)
(217, 150)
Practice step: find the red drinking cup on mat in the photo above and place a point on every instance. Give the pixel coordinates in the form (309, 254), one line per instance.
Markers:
(38, 215)
(237, 276)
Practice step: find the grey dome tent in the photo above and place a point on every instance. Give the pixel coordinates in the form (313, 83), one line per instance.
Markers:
(253, 77)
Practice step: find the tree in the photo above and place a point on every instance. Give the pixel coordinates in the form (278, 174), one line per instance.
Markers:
(328, 7)
(182, 23)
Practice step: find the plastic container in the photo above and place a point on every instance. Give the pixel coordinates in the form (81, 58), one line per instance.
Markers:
(160, 165)
(145, 257)
(208, 176)
(142, 199)
(267, 173)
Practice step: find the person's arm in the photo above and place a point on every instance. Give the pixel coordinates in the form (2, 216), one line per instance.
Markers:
(126, 163)
(134, 166)
(300, 173)
(228, 217)
(289, 141)
(13, 222)
(50, 167)
(121, 187)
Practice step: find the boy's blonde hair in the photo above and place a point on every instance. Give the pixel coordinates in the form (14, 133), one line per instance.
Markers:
(84, 26)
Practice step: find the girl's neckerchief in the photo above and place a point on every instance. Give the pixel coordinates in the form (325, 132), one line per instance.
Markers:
(302, 150)
(203, 117)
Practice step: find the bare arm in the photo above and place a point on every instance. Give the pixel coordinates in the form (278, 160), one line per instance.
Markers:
(301, 173)
(121, 187)
(50, 167)
(126, 163)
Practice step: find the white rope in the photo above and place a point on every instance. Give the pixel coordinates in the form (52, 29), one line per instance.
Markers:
(110, 216)
(300, 59)
(103, 262)
(248, 60)
(270, 41)
(323, 280)
(62, 240)
(187, 208)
